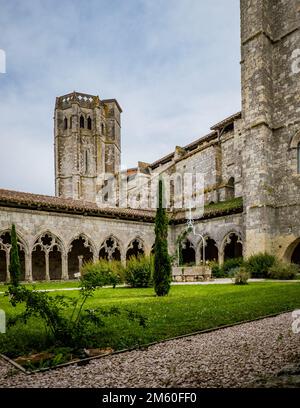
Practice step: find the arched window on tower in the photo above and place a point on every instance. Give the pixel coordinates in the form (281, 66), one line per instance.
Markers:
(65, 123)
(102, 128)
(89, 123)
(298, 158)
(86, 162)
(81, 121)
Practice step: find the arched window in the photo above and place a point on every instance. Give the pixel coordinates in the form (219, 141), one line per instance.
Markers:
(230, 193)
(86, 162)
(188, 253)
(135, 249)
(172, 192)
(65, 123)
(295, 147)
(81, 121)
(298, 158)
(233, 246)
(89, 123)
(102, 128)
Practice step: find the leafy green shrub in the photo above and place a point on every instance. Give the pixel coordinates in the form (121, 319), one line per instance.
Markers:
(139, 271)
(65, 320)
(103, 272)
(216, 270)
(231, 265)
(283, 270)
(241, 276)
(228, 269)
(258, 265)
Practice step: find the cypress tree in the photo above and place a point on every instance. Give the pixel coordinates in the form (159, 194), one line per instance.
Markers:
(162, 261)
(14, 267)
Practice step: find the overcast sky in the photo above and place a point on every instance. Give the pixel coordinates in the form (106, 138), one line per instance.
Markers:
(173, 65)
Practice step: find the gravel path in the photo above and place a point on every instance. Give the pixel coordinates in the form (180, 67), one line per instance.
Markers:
(231, 357)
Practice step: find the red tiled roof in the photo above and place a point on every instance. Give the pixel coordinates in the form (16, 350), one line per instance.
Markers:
(58, 204)
(17, 199)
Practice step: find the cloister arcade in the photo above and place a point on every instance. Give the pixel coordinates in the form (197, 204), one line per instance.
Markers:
(230, 246)
(49, 258)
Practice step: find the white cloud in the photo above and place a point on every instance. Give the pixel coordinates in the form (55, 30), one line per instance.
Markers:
(173, 66)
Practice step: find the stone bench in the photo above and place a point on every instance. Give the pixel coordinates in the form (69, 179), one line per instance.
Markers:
(191, 273)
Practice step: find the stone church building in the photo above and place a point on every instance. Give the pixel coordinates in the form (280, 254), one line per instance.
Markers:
(250, 163)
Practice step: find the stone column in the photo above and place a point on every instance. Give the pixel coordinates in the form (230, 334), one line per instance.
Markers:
(80, 262)
(64, 266)
(123, 259)
(7, 254)
(47, 265)
(221, 256)
(198, 257)
(28, 267)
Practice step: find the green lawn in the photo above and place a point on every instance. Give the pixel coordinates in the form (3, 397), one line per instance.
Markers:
(186, 309)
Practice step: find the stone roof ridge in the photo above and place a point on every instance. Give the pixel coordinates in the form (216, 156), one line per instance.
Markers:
(202, 139)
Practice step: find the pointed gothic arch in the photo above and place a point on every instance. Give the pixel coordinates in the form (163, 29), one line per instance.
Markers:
(46, 257)
(188, 252)
(81, 249)
(89, 123)
(211, 249)
(232, 245)
(295, 149)
(292, 252)
(81, 122)
(135, 248)
(110, 249)
(230, 188)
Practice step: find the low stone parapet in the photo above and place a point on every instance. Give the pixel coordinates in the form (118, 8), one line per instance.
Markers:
(191, 273)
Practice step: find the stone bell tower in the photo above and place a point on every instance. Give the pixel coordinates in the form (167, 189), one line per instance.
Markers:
(270, 64)
(87, 144)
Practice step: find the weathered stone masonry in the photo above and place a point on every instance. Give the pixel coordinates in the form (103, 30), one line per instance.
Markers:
(250, 162)
(57, 235)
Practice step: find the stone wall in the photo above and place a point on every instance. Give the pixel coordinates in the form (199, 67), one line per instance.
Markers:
(66, 228)
(270, 105)
(253, 156)
(84, 151)
(51, 241)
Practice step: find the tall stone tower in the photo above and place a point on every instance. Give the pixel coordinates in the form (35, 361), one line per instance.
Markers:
(87, 144)
(270, 47)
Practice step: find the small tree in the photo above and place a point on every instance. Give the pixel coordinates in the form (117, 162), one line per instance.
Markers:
(162, 261)
(14, 267)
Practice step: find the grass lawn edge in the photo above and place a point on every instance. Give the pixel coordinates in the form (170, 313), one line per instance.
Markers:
(86, 360)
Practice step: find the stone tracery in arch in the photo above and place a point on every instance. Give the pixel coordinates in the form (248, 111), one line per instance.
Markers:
(135, 248)
(47, 257)
(232, 245)
(110, 249)
(80, 250)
